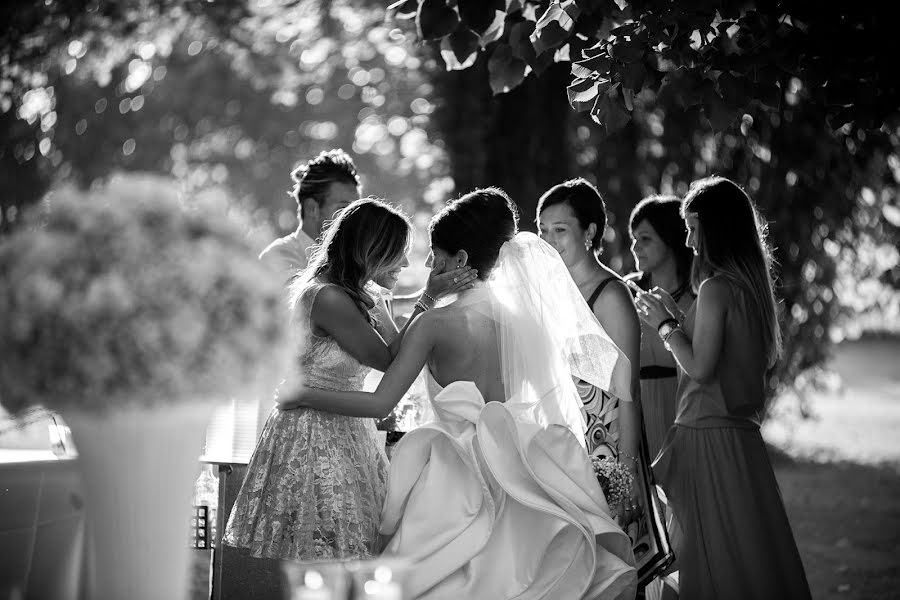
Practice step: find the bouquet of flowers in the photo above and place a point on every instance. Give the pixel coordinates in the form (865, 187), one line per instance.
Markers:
(615, 479)
(131, 313)
(127, 295)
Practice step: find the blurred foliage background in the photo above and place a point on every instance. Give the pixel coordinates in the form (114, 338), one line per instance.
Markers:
(435, 97)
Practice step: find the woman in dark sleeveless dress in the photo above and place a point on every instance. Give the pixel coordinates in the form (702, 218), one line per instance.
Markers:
(572, 219)
(714, 466)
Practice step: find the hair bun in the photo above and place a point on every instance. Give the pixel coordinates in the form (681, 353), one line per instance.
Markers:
(479, 222)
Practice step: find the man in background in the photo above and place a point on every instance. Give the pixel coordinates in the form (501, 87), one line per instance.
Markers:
(322, 187)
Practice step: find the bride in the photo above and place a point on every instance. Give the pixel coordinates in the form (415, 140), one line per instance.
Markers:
(496, 498)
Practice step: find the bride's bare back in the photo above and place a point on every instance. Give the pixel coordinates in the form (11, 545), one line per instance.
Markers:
(466, 348)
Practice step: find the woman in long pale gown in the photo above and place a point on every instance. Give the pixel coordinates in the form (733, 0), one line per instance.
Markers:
(657, 242)
(713, 466)
(497, 498)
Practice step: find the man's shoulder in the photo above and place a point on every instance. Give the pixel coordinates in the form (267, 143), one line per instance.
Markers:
(290, 246)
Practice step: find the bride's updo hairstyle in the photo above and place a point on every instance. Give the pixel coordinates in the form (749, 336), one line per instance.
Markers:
(479, 223)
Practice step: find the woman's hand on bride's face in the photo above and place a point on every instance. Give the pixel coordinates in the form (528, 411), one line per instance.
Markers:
(451, 281)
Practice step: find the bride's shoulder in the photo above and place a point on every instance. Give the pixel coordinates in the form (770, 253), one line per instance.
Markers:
(443, 319)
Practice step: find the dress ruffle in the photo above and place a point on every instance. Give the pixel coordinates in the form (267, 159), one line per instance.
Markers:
(484, 506)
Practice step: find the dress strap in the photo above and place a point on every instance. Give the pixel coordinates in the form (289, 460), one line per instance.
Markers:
(599, 290)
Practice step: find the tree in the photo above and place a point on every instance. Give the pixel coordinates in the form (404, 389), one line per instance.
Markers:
(799, 104)
(220, 95)
(723, 55)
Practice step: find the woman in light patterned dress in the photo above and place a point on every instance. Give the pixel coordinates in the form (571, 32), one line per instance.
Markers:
(316, 482)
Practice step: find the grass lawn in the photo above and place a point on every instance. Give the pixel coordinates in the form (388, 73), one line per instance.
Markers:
(839, 474)
(846, 519)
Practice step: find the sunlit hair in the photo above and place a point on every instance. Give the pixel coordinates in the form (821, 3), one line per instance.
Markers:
(663, 213)
(731, 241)
(364, 240)
(314, 179)
(479, 223)
(586, 203)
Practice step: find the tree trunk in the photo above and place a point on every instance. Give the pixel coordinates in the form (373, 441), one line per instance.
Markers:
(517, 141)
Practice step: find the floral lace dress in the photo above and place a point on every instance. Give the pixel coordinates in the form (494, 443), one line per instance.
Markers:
(315, 485)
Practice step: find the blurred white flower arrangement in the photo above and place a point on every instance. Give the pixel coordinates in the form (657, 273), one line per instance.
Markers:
(126, 295)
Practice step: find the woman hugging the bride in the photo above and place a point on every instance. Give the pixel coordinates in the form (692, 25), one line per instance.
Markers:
(497, 498)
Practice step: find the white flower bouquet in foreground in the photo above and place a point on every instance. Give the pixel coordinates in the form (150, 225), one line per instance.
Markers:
(131, 314)
(124, 296)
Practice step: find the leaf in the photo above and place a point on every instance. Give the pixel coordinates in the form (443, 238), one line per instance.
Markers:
(633, 76)
(731, 88)
(479, 15)
(464, 43)
(495, 31)
(582, 93)
(555, 25)
(403, 9)
(598, 49)
(591, 6)
(609, 112)
(598, 65)
(460, 49)
(627, 51)
(505, 70)
(623, 30)
(520, 43)
(720, 115)
(548, 36)
(572, 9)
(435, 19)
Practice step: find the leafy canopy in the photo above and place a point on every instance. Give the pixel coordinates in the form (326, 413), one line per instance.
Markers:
(723, 55)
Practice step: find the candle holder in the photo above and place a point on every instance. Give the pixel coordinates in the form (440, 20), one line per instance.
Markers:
(319, 580)
(379, 579)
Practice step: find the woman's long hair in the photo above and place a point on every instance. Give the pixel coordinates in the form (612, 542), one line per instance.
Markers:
(731, 241)
(362, 241)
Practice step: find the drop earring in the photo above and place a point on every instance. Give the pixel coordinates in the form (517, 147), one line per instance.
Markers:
(587, 245)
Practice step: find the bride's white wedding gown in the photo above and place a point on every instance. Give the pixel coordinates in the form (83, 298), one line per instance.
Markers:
(486, 504)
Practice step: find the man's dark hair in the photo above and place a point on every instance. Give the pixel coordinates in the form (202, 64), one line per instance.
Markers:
(313, 179)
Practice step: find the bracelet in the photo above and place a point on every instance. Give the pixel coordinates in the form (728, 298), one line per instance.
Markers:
(628, 456)
(421, 305)
(666, 328)
(429, 303)
(668, 335)
(427, 295)
(671, 320)
(671, 333)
